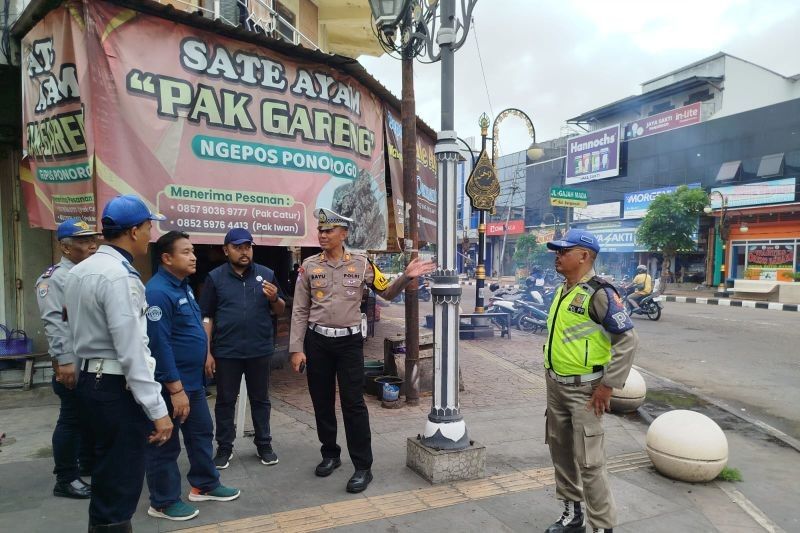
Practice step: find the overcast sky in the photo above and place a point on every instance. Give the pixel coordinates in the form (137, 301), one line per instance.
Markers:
(558, 59)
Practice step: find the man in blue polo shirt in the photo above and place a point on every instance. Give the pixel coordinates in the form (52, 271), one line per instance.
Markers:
(238, 301)
(178, 343)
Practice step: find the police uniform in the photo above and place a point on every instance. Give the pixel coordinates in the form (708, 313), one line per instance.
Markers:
(590, 341)
(72, 447)
(105, 307)
(326, 325)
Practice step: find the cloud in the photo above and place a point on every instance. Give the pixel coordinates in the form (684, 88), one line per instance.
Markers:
(556, 60)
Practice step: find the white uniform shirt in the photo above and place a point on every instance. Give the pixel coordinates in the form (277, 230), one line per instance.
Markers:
(106, 307)
(50, 297)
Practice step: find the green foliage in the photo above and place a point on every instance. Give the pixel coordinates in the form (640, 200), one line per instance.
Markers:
(672, 220)
(528, 252)
(730, 474)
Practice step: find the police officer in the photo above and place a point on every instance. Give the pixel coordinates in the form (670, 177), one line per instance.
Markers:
(178, 343)
(589, 351)
(238, 302)
(70, 443)
(105, 308)
(326, 340)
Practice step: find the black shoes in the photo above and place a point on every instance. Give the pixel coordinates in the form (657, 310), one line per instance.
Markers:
(571, 521)
(76, 489)
(267, 455)
(223, 458)
(327, 466)
(359, 481)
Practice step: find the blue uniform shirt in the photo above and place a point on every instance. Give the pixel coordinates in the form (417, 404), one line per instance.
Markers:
(177, 339)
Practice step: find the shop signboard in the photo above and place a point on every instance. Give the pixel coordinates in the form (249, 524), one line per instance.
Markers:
(425, 179)
(593, 156)
(597, 211)
(212, 132)
(563, 197)
(616, 236)
(515, 227)
(668, 120)
(767, 192)
(636, 203)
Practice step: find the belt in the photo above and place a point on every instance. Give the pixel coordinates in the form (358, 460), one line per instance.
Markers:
(102, 366)
(575, 380)
(335, 332)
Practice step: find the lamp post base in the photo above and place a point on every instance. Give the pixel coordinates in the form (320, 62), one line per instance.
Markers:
(445, 466)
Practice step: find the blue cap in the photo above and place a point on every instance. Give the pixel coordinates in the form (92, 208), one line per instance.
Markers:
(576, 237)
(74, 227)
(238, 236)
(127, 211)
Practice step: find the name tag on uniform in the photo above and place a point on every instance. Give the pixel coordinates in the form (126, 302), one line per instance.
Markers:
(576, 305)
(183, 301)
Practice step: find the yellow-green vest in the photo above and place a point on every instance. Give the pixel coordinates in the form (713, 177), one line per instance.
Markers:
(576, 344)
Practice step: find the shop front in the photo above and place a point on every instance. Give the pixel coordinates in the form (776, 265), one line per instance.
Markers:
(767, 250)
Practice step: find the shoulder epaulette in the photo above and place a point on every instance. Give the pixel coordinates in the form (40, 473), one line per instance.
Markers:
(49, 272)
(130, 269)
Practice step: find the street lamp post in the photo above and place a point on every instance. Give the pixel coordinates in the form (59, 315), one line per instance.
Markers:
(556, 222)
(445, 428)
(721, 238)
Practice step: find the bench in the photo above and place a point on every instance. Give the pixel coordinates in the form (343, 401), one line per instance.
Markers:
(29, 358)
(756, 289)
(500, 320)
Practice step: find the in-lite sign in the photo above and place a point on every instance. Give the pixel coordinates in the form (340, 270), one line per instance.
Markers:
(636, 203)
(561, 197)
(593, 156)
(668, 120)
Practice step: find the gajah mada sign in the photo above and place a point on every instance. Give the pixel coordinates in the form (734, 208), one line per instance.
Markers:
(593, 156)
(514, 227)
(561, 197)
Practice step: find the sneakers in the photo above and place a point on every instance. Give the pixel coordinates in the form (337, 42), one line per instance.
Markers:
(223, 458)
(602, 530)
(571, 521)
(219, 494)
(178, 511)
(267, 456)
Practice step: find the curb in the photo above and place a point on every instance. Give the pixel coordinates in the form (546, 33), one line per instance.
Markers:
(727, 302)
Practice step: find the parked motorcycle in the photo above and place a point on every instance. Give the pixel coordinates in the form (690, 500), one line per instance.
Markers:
(531, 317)
(525, 309)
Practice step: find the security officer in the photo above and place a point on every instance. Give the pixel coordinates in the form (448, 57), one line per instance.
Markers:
(178, 343)
(70, 443)
(589, 351)
(105, 308)
(326, 340)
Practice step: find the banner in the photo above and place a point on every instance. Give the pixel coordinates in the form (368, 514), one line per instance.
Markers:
(425, 179)
(767, 192)
(514, 227)
(56, 142)
(593, 156)
(216, 133)
(637, 203)
(596, 211)
(668, 120)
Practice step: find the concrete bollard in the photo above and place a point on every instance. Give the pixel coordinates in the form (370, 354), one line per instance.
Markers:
(630, 397)
(687, 446)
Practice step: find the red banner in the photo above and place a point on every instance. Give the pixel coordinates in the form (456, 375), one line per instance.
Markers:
(668, 120)
(515, 227)
(216, 133)
(425, 179)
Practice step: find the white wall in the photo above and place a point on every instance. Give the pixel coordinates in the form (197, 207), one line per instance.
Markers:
(749, 86)
(709, 69)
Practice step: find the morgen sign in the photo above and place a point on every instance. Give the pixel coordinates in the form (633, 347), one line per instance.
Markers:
(637, 203)
(593, 156)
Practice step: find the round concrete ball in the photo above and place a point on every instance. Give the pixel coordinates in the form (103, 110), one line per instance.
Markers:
(687, 446)
(631, 396)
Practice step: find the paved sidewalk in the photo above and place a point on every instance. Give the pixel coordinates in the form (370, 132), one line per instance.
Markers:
(503, 405)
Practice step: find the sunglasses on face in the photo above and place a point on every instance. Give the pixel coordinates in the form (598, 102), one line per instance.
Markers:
(564, 251)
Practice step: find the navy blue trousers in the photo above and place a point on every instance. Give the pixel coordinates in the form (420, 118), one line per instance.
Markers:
(229, 377)
(119, 428)
(71, 441)
(163, 475)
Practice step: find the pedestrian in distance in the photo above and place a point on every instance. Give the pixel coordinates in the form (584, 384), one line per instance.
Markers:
(326, 342)
(105, 307)
(72, 445)
(238, 302)
(589, 351)
(179, 345)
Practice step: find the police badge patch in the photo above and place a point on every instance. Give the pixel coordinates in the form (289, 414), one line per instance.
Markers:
(43, 288)
(153, 313)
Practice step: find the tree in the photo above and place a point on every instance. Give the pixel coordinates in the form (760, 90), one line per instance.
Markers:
(528, 252)
(671, 223)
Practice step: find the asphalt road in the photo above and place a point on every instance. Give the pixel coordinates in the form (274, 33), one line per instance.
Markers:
(749, 358)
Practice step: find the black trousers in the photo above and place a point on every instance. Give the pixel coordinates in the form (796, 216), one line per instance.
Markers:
(119, 428)
(329, 359)
(71, 439)
(228, 378)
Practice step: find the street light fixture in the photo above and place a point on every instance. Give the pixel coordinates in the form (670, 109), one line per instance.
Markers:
(722, 238)
(556, 222)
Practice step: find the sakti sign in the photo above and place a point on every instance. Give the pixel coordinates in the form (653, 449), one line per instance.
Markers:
(668, 120)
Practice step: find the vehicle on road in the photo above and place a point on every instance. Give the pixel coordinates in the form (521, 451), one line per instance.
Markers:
(649, 306)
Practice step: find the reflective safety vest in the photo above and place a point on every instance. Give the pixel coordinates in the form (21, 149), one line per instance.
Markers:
(576, 344)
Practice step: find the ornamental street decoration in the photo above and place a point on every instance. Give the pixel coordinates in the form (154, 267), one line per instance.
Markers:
(483, 187)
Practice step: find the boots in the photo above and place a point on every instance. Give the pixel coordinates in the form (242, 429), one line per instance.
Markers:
(571, 521)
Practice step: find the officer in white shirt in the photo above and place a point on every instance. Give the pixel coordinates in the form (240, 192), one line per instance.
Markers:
(105, 307)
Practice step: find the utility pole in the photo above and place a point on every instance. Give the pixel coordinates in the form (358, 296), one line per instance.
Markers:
(409, 120)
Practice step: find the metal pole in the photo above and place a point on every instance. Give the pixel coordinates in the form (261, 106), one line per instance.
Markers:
(446, 429)
(408, 117)
(480, 269)
(505, 227)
